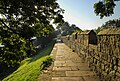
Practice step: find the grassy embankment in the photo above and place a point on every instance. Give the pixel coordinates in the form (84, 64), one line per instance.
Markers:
(31, 67)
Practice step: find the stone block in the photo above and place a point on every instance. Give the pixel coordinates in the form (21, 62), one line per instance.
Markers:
(61, 68)
(67, 79)
(58, 73)
(91, 78)
(80, 73)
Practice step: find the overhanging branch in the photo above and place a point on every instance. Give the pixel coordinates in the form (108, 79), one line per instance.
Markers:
(8, 27)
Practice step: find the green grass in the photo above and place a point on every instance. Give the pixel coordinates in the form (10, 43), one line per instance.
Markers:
(31, 67)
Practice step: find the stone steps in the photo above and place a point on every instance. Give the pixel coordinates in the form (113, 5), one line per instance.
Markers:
(68, 66)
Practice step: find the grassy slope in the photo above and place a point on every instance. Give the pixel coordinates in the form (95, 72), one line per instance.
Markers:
(30, 68)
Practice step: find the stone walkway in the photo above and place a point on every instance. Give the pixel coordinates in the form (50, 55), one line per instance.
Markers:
(67, 66)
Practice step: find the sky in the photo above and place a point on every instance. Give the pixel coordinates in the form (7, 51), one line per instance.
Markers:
(81, 13)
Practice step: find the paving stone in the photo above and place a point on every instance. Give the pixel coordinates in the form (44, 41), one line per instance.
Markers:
(67, 79)
(74, 68)
(71, 64)
(85, 68)
(58, 73)
(77, 61)
(69, 61)
(91, 78)
(75, 64)
(79, 73)
(44, 77)
(61, 68)
(59, 63)
(67, 66)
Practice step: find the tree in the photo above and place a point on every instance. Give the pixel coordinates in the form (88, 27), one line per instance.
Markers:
(104, 8)
(67, 29)
(14, 50)
(22, 20)
(115, 23)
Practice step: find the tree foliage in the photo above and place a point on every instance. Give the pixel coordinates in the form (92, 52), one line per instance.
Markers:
(104, 8)
(14, 50)
(67, 29)
(20, 21)
(115, 23)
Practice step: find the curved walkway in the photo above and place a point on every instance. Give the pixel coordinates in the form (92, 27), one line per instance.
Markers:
(67, 66)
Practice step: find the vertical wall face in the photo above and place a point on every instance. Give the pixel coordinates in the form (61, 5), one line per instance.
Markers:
(109, 47)
(86, 38)
(103, 58)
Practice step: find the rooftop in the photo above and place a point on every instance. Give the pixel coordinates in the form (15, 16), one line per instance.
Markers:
(86, 32)
(109, 31)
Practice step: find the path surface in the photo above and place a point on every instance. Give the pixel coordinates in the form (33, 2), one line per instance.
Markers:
(67, 66)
